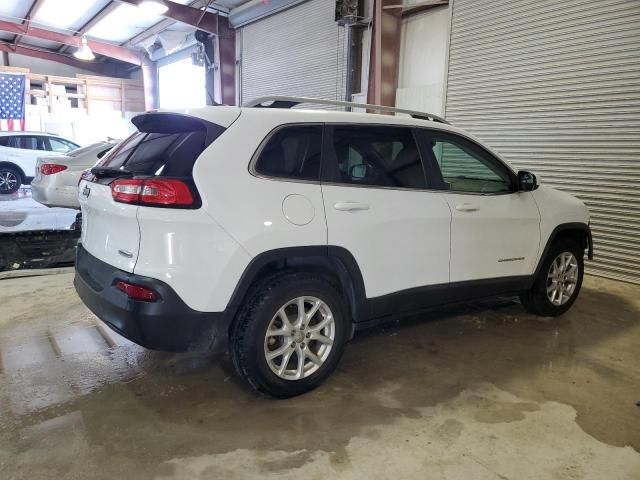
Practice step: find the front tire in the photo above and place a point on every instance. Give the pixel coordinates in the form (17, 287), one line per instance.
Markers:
(558, 283)
(290, 334)
(10, 180)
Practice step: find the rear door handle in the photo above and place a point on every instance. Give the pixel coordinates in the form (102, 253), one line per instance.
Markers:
(467, 207)
(351, 206)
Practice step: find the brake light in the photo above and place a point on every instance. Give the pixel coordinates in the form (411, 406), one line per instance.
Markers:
(166, 192)
(51, 168)
(137, 292)
(84, 176)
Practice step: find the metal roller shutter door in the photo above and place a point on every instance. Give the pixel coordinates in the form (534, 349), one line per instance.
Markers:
(298, 52)
(555, 87)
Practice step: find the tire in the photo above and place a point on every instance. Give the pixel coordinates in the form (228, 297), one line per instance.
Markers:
(264, 309)
(10, 180)
(537, 300)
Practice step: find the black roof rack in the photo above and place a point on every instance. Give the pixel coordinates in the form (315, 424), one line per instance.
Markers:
(288, 102)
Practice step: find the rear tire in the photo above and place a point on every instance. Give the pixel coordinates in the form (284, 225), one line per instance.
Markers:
(10, 180)
(558, 283)
(290, 334)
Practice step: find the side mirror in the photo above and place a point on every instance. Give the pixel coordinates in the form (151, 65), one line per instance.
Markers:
(360, 172)
(527, 181)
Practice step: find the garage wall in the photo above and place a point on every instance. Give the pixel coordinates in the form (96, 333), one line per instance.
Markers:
(423, 52)
(297, 52)
(555, 87)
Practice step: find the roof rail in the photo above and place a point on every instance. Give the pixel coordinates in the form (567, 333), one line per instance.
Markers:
(288, 102)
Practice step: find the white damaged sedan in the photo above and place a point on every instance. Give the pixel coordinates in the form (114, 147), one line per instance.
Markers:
(57, 178)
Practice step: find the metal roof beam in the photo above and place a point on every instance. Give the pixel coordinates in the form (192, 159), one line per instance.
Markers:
(99, 68)
(33, 11)
(200, 19)
(161, 26)
(113, 51)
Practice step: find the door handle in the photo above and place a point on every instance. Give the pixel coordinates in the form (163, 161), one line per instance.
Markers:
(351, 206)
(467, 207)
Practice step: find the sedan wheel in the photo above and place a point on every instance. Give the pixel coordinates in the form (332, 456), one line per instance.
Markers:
(9, 181)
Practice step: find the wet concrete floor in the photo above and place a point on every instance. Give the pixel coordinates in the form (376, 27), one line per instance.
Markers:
(483, 391)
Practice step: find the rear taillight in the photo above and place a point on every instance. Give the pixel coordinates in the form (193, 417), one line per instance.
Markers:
(51, 168)
(137, 292)
(165, 192)
(85, 175)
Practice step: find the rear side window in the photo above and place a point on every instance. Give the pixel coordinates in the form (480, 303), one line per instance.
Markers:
(166, 145)
(292, 152)
(4, 141)
(375, 156)
(30, 142)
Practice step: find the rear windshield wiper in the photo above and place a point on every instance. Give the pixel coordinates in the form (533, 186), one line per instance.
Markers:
(110, 172)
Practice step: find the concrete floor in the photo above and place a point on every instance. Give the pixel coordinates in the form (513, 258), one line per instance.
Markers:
(482, 392)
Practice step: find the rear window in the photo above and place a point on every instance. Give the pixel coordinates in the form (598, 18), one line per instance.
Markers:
(82, 150)
(167, 149)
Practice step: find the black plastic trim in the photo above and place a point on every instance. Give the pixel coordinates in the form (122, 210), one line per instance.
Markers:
(167, 324)
(336, 260)
(344, 266)
(418, 299)
(563, 227)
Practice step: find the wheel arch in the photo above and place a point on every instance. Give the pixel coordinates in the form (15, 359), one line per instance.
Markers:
(578, 231)
(12, 165)
(336, 263)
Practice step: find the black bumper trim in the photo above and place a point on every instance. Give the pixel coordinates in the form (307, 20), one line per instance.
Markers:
(167, 324)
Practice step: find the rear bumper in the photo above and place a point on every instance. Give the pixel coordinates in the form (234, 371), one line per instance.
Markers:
(52, 196)
(167, 324)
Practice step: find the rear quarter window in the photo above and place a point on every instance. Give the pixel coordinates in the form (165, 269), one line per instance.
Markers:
(292, 152)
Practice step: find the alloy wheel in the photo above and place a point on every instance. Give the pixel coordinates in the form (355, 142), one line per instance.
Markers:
(8, 181)
(299, 338)
(562, 278)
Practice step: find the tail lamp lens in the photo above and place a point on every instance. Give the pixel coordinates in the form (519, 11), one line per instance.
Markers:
(137, 292)
(51, 168)
(84, 176)
(166, 192)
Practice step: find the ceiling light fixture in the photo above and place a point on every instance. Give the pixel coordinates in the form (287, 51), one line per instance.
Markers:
(84, 52)
(153, 7)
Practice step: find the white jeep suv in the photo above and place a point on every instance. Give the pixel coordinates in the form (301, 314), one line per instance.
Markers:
(276, 233)
(19, 152)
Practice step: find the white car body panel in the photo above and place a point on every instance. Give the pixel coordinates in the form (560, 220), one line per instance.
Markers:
(61, 189)
(110, 229)
(406, 239)
(493, 235)
(256, 221)
(188, 250)
(557, 208)
(400, 241)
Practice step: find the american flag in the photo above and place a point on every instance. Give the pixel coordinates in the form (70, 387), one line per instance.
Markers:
(11, 101)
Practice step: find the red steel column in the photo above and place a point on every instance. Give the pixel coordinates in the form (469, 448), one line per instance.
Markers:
(385, 54)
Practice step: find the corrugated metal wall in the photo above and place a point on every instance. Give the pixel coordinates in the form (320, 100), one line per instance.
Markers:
(555, 87)
(298, 52)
